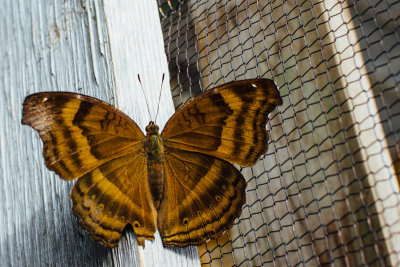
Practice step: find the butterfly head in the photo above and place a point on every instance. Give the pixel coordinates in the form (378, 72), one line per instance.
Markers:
(152, 128)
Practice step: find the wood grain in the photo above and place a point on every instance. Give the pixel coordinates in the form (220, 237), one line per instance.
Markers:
(65, 46)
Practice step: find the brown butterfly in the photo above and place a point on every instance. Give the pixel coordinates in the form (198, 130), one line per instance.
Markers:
(179, 181)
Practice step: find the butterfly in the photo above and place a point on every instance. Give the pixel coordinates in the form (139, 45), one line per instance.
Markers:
(180, 181)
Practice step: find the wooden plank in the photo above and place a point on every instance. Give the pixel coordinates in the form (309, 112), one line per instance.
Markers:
(64, 46)
(137, 48)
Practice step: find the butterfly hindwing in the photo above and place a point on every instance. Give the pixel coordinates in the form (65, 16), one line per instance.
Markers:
(110, 196)
(202, 197)
(228, 122)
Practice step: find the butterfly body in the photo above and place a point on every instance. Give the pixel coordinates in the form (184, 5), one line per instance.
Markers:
(154, 149)
(180, 181)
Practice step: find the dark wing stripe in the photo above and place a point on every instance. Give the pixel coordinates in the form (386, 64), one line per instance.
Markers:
(193, 147)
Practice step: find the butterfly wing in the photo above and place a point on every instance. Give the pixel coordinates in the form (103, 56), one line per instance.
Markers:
(202, 197)
(112, 195)
(203, 192)
(79, 132)
(88, 138)
(228, 122)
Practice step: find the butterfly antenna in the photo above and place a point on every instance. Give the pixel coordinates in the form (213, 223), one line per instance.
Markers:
(159, 97)
(147, 103)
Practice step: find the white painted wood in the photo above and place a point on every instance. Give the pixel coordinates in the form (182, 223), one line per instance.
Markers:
(65, 46)
(137, 48)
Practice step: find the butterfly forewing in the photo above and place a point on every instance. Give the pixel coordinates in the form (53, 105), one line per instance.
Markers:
(228, 122)
(79, 133)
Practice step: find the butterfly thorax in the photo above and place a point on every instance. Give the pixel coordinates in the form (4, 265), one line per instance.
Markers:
(154, 148)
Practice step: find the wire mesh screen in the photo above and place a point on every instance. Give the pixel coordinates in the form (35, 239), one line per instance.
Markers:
(326, 191)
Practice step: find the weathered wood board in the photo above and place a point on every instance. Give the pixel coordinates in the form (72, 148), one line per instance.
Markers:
(90, 47)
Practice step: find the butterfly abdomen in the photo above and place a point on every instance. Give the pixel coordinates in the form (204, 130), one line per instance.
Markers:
(154, 148)
(155, 173)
